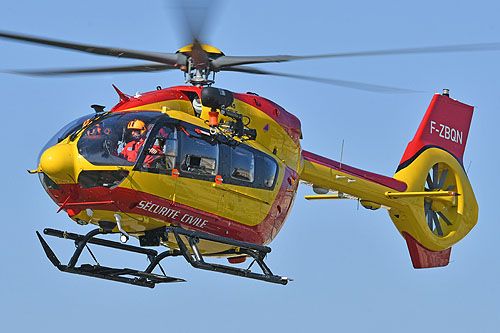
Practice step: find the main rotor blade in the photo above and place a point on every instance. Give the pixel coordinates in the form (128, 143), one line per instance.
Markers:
(242, 60)
(199, 56)
(335, 82)
(194, 16)
(163, 58)
(153, 67)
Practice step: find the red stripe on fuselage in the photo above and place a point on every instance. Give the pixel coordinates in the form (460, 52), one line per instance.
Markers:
(141, 203)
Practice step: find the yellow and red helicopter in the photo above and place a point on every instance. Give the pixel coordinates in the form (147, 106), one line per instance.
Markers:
(210, 173)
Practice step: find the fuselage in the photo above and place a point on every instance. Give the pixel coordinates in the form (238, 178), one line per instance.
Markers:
(93, 169)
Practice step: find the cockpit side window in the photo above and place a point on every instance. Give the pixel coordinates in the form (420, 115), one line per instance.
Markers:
(161, 150)
(117, 139)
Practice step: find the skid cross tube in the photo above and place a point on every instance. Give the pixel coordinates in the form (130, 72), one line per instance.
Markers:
(189, 250)
(218, 239)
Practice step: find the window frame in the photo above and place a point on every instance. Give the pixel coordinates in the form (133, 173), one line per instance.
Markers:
(139, 166)
(182, 137)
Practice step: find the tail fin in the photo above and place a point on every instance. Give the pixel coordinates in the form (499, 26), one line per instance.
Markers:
(445, 125)
(433, 162)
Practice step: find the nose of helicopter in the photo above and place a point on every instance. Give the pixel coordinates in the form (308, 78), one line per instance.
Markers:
(57, 162)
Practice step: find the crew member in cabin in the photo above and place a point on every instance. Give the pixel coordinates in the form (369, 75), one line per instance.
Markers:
(136, 129)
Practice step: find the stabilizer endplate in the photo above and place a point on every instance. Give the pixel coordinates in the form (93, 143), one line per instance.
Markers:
(424, 258)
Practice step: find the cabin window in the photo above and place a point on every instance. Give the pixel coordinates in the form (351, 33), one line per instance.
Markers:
(245, 166)
(242, 165)
(198, 157)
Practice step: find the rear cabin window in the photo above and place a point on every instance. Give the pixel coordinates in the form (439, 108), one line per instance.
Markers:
(269, 169)
(242, 165)
(246, 166)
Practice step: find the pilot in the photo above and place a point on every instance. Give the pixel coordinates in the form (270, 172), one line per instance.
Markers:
(136, 129)
(154, 153)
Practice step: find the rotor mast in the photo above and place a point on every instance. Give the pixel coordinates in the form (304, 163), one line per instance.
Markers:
(199, 63)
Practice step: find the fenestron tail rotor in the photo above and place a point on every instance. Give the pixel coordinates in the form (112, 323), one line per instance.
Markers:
(440, 210)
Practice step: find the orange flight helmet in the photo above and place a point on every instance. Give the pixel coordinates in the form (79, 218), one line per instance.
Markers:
(137, 124)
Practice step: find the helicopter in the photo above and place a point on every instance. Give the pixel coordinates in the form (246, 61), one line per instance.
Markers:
(216, 172)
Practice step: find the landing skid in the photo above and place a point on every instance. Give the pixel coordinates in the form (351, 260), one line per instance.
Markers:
(149, 279)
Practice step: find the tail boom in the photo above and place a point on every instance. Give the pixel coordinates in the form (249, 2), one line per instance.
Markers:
(329, 174)
(432, 163)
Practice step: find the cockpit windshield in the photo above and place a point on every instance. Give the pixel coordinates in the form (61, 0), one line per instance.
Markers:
(64, 132)
(117, 139)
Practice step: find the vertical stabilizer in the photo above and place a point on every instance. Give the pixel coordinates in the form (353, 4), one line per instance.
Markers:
(445, 125)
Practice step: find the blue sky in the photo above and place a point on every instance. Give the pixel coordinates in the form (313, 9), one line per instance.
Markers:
(351, 268)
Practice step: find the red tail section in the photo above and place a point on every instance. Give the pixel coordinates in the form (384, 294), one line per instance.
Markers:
(424, 258)
(446, 125)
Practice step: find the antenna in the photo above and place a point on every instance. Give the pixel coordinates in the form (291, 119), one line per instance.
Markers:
(341, 154)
